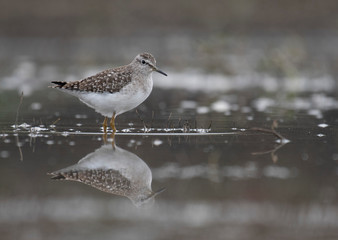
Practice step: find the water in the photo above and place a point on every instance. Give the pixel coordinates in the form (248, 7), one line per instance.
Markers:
(196, 136)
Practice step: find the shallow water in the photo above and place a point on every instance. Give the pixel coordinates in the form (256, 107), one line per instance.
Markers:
(222, 176)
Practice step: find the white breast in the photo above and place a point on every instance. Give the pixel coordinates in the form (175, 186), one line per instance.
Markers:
(128, 98)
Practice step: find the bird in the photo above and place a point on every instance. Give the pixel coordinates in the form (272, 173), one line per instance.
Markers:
(116, 90)
(113, 170)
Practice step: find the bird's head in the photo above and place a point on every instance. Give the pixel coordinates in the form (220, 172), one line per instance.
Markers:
(147, 63)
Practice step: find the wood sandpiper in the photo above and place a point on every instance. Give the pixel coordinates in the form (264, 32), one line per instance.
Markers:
(116, 90)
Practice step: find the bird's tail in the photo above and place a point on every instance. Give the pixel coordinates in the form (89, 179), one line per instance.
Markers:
(59, 84)
(57, 176)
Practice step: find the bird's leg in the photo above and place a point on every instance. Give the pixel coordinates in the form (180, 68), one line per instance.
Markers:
(105, 125)
(105, 138)
(113, 140)
(112, 123)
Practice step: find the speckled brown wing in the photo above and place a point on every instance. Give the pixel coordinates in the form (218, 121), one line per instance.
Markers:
(111, 80)
(110, 181)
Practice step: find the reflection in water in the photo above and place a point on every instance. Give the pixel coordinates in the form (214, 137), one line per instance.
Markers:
(113, 170)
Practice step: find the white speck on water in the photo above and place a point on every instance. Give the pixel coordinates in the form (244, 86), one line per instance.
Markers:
(188, 104)
(36, 106)
(34, 135)
(277, 172)
(4, 154)
(131, 143)
(320, 135)
(65, 134)
(50, 142)
(323, 125)
(242, 129)
(315, 112)
(261, 104)
(130, 124)
(125, 130)
(23, 125)
(202, 130)
(249, 118)
(234, 129)
(7, 140)
(202, 110)
(157, 142)
(38, 129)
(283, 141)
(71, 143)
(79, 124)
(220, 106)
(81, 116)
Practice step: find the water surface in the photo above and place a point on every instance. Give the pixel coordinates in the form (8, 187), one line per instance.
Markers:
(194, 136)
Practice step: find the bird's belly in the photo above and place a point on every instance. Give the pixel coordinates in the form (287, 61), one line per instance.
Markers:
(109, 103)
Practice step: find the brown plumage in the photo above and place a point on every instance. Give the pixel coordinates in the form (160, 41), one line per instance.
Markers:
(111, 80)
(110, 181)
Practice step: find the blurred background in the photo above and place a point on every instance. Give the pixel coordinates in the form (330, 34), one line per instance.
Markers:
(232, 37)
(231, 65)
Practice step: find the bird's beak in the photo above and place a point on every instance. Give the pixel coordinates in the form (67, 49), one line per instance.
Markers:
(158, 192)
(159, 71)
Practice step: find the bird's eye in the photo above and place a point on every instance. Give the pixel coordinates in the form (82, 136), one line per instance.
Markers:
(143, 62)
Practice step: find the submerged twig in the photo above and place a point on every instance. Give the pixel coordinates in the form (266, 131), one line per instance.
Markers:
(16, 125)
(168, 121)
(56, 121)
(186, 126)
(18, 109)
(144, 124)
(273, 151)
(210, 125)
(152, 119)
(274, 132)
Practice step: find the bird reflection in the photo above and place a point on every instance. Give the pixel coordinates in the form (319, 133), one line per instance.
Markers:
(113, 170)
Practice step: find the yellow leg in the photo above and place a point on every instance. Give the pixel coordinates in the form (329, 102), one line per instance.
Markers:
(112, 123)
(105, 138)
(113, 140)
(105, 125)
